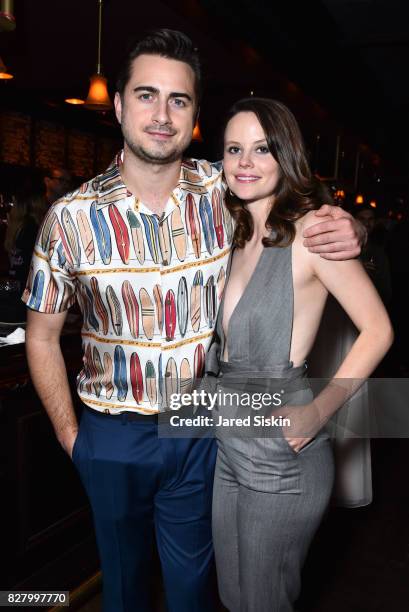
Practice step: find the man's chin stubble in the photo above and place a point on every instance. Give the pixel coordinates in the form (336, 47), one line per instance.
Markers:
(155, 157)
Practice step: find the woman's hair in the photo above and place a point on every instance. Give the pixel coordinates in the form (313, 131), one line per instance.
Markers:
(297, 191)
(25, 207)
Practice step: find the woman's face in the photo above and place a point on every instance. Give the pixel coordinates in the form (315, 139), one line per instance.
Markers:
(251, 171)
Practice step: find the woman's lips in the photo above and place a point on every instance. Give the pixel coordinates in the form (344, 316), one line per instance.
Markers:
(246, 178)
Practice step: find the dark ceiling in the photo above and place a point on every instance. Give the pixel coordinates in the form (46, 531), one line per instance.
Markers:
(349, 57)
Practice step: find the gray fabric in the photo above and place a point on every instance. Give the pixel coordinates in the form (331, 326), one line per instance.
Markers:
(268, 499)
(261, 539)
(260, 326)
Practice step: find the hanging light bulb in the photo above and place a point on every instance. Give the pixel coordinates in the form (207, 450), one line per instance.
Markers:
(4, 74)
(197, 135)
(98, 96)
(7, 20)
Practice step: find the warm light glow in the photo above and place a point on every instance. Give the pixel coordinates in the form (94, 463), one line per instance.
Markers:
(98, 97)
(74, 101)
(7, 19)
(372, 203)
(196, 133)
(359, 199)
(4, 74)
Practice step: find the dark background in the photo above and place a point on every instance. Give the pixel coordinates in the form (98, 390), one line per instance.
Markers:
(341, 66)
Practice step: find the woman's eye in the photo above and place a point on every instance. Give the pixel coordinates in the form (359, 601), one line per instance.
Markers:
(233, 150)
(263, 149)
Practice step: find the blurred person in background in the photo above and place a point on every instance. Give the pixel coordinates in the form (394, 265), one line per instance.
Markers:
(57, 182)
(373, 255)
(398, 253)
(24, 220)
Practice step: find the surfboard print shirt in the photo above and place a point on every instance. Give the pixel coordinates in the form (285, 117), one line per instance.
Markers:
(148, 286)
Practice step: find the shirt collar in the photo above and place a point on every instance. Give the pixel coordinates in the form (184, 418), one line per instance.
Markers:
(111, 187)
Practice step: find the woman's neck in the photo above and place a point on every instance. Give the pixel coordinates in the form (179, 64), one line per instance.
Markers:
(259, 211)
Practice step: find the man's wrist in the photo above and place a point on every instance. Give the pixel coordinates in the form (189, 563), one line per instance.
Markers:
(67, 437)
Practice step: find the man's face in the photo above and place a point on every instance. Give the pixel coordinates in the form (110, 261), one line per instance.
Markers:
(157, 109)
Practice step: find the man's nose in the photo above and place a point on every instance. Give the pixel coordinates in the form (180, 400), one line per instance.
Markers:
(161, 112)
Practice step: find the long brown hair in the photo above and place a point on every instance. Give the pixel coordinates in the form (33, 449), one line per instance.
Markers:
(297, 190)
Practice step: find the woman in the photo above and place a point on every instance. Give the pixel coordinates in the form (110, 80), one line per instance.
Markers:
(271, 489)
(23, 223)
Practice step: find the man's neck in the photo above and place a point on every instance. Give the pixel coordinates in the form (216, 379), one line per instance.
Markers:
(152, 184)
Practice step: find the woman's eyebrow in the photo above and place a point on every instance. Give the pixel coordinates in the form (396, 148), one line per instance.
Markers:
(255, 142)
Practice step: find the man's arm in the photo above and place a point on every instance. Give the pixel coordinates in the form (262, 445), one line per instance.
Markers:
(340, 238)
(49, 374)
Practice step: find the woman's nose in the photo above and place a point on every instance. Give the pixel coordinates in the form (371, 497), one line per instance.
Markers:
(245, 161)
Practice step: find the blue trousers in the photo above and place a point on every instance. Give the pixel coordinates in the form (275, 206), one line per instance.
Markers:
(137, 484)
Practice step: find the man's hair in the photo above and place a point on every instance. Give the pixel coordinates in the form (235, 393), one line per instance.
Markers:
(166, 43)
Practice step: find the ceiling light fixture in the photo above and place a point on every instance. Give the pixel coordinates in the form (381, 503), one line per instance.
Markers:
(7, 19)
(197, 135)
(98, 96)
(74, 101)
(4, 74)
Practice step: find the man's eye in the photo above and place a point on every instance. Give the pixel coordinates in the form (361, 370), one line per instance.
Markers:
(178, 102)
(145, 96)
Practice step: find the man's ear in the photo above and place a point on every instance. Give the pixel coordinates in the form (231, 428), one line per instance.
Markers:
(118, 106)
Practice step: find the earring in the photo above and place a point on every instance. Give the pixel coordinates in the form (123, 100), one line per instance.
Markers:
(233, 195)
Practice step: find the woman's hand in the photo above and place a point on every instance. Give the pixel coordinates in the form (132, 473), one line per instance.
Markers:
(304, 424)
(338, 237)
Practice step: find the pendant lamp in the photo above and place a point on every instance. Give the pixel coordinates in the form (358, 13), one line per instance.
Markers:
(7, 20)
(197, 135)
(4, 74)
(98, 97)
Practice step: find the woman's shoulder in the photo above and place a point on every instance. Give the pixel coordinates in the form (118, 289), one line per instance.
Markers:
(309, 219)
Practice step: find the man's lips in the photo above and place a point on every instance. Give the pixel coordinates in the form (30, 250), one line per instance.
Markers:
(159, 134)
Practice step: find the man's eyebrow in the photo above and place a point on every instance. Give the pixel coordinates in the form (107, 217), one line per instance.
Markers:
(154, 90)
(146, 88)
(176, 94)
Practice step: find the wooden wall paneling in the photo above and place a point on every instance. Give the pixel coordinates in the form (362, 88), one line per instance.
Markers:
(15, 138)
(49, 144)
(81, 153)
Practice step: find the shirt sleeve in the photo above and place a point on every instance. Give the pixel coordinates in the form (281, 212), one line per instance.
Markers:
(51, 281)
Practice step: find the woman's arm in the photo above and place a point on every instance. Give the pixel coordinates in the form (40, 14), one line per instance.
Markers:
(351, 286)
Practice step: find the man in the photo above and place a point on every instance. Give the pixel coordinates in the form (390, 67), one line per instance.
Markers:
(57, 182)
(143, 247)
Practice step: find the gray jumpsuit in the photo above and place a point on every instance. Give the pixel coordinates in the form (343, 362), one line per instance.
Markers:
(268, 499)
